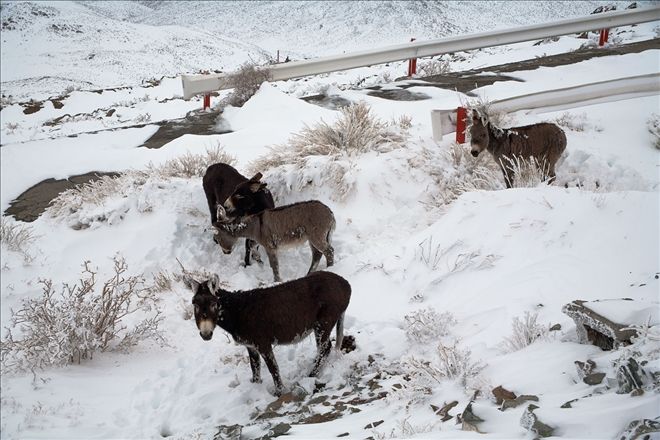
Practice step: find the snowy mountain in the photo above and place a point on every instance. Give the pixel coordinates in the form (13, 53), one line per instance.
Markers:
(52, 46)
(459, 286)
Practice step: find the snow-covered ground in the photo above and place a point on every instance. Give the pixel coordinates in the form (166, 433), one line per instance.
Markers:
(471, 265)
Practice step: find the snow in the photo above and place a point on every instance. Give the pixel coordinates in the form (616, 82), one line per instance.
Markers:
(486, 258)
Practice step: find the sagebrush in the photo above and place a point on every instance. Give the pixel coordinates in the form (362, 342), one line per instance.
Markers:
(323, 154)
(71, 324)
(524, 332)
(653, 125)
(17, 237)
(426, 326)
(191, 164)
(245, 82)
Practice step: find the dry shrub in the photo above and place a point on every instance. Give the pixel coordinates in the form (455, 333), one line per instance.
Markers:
(17, 237)
(433, 67)
(424, 326)
(455, 171)
(191, 164)
(451, 363)
(323, 154)
(245, 83)
(527, 173)
(525, 331)
(653, 125)
(70, 325)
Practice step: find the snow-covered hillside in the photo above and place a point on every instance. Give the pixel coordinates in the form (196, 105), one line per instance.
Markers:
(49, 47)
(448, 269)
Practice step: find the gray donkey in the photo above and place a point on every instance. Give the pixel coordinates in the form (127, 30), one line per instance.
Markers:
(544, 142)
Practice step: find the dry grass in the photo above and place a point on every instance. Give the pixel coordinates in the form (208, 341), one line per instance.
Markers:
(72, 324)
(323, 154)
(191, 164)
(524, 332)
(527, 173)
(245, 83)
(433, 67)
(17, 237)
(426, 326)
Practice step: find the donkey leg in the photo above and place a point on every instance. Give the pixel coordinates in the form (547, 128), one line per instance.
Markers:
(269, 358)
(274, 264)
(255, 365)
(248, 247)
(329, 255)
(316, 257)
(322, 334)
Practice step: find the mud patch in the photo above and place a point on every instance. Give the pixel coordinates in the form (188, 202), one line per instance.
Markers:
(28, 206)
(329, 102)
(201, 123)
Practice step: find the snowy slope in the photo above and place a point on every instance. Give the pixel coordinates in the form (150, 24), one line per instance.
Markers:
(485, 258)
(48, 47)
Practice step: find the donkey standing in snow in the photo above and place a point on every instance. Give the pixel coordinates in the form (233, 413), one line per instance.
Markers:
(544, 142)
(219, 182)
(281, 314)
(284, 226)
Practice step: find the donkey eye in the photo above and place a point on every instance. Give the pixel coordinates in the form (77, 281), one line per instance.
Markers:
(213, 307)
(196, 308)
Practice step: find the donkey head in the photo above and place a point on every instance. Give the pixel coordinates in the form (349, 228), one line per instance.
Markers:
(478, 134)
(246, 198)
(206, 305)
(223, 235)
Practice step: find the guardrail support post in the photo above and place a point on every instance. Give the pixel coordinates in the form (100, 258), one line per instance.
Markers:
(412, 64)
(207, 101)
(461, 122)
(604, 35)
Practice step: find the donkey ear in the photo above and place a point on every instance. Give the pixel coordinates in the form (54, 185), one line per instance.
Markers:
(194, 285)
(257, 177)
(213, 283)
(257, 186)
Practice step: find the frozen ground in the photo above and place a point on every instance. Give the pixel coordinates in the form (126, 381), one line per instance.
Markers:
(473, 263)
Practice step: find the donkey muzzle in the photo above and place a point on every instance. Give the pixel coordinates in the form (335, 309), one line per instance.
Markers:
(474, 153)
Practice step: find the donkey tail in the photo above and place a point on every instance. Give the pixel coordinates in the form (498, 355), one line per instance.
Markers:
(340, 332)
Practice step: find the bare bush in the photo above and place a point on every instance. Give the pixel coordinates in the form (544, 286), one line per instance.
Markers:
(322, 154)
(17, 237)
(424, 326)
(142, 118)
(191, 164)
(245, 83)
(653, 124)
(68, 326)
(455, 171)
(451, 363)
(433, 67)
(91, 193)
(525, 332)
(527, 173)
(11, 127)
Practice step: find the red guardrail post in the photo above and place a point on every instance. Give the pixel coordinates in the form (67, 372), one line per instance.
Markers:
(461, 122)
(604, 35)
(207, 101)
(412, 63)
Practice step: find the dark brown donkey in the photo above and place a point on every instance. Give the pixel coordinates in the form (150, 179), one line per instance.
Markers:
(282, 314)
(220, 181)
(544, 142)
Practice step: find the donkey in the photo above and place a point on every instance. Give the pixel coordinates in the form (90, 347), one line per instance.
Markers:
(284, 226)
(219, 182)
(282, 314)
(545, 142)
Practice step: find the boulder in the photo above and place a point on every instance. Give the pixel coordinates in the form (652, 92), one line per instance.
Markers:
(641, 430)
(530, 422)
(606, 323)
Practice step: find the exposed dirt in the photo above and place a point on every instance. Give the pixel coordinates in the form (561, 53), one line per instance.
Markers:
(33, 202)
(29, 205)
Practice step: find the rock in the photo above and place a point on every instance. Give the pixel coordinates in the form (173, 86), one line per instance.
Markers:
(374, 424)
(346, 434)
(568, 404)
(469, 420)
(630, 376)
(502, 394)
(348, 344)
(637, 392)
(228, 432)
(607, 323)
(280, 429)
(518, 401)
(555, 328)
(593, 378)
(530, 422)
(444, 411)
(585, 368)
(644, 429)
(284, 399)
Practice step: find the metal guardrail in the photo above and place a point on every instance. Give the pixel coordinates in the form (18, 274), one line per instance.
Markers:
(444, 121)
(196, 84)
